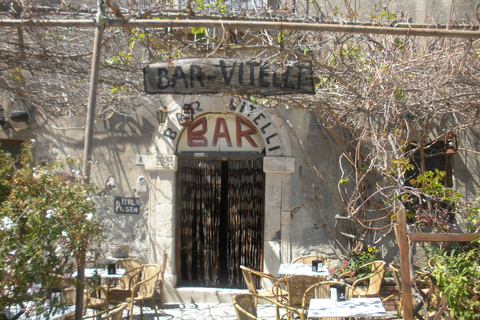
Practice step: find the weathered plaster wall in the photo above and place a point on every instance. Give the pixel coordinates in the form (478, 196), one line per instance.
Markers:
(301, 176)
(313, 202)
(118, 138)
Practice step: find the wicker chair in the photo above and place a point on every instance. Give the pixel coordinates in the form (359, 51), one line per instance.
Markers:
(321, 290)
(128, 264)
(368, 286)
(308, 259)
(246, 306)
(123, 289)
(296, 287)
(429, 298)
(426, 288)
(145, 289)
(252, 277)
(95, 297)
(130, 278)
(114, 313)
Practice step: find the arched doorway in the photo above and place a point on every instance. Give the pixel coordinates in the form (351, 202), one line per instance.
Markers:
(221, 220)
(220, 200)
(170, 146)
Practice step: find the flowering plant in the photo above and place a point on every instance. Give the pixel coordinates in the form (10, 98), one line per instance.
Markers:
(356, 260)
(457, 272)
(47, 222)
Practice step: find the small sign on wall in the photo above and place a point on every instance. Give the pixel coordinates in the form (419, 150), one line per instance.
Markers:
(127, 205)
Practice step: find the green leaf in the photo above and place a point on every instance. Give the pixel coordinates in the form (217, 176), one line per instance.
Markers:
(198, 30)
(113, 89)
(399, 94)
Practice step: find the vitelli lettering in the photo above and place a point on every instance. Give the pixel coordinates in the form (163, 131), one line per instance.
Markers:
(212, 75)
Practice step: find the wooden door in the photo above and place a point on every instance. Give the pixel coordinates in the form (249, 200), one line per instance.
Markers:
(220, 220)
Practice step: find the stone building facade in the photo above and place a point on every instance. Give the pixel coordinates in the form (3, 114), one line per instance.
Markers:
(136, 167)
(140, 166)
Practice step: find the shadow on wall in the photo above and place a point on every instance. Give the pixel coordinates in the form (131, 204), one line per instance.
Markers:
(125, 232)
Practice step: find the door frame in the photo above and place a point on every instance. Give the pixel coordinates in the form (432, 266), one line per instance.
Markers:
(278, 165)
(212, 157)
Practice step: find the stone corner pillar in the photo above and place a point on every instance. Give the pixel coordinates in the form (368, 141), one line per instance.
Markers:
(277, 195)
(162, 220)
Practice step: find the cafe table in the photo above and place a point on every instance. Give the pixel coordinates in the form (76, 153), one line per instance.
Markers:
(353, 307)
(103, 274)
(301, 270)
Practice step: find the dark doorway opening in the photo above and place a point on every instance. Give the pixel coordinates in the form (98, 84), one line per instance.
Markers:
(220, 221)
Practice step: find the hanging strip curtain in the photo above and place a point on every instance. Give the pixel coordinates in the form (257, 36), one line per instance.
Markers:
(201, 212)
(200, 219)
(245, 203)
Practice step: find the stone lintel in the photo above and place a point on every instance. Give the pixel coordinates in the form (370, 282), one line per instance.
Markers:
(279, 165)
(161, 162)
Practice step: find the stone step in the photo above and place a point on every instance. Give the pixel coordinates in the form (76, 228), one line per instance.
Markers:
(200, 295)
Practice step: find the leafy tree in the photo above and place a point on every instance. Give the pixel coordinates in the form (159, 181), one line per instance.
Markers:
(457, 272)
(47, 223)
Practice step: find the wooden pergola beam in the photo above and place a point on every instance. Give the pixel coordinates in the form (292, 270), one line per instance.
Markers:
(404, 239)
(252, 25)
(404, 248)
(442, 237)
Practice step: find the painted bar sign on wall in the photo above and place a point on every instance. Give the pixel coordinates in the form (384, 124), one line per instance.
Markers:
(127, 205)
(217, 75)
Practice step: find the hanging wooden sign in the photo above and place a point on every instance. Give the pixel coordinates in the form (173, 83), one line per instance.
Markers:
(230, 76)
(127, 205)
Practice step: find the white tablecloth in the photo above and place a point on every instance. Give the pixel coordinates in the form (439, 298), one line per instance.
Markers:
(354, 307)
(301, 269)
(103, 273)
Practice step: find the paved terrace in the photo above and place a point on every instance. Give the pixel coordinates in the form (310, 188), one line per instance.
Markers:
(216, 305)
(205, 311)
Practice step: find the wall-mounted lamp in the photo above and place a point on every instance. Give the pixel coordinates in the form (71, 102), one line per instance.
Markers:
(162, 113)
(19, 116)
(451, 144)
(110, 183)
(186, 117)
(2, 117)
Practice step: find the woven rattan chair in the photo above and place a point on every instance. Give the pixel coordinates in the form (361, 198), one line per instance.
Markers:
(368, 286)
(295, 290)
(321, 290)
(144, 289)
(128, 264)
(274, 291)
(113, 313)
(429, 298)
(125, 284)
(95, 297)
(130, 278)
(246, 306)
(254, 277)
(308, 259)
